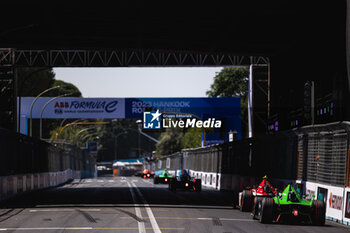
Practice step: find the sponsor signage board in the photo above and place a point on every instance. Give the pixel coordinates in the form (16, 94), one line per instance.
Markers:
(347, 205)
(88, 108)
(91, 147)
(222, 114)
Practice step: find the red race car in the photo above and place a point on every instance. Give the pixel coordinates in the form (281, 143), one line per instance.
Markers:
(248, 197)
(147, 173)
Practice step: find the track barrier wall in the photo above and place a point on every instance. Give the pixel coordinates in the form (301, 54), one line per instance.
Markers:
(315, 158)
(28, 164)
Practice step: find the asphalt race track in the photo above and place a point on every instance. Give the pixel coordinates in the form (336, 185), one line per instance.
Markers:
(132, 204)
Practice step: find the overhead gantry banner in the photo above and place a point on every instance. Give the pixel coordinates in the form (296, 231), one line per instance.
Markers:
(227, 110)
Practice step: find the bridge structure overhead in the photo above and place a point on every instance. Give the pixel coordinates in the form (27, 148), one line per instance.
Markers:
(298, 40)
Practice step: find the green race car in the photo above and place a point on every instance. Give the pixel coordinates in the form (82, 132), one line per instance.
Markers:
(289, 206)
(163, 178)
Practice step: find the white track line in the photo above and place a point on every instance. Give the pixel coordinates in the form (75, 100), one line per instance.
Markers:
(154, 223)
(63, 210)
(45, 228)
(141, 225)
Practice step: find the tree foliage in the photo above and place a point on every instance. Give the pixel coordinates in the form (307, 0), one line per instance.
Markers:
(170, 142)
(192, 138)
(230, 82)
(32, 81)
(122, 135)
(65, 88)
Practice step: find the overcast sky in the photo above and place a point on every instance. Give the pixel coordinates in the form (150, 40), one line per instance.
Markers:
(139, 82)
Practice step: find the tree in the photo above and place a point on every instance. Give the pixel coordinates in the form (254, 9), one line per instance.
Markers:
(170, 142)
(231, 82)
(33, 81)
(65, 88)
(192, 138)
(127, 144)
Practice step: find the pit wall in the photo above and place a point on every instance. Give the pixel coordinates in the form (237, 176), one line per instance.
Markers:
(337, 200)
(13, 185)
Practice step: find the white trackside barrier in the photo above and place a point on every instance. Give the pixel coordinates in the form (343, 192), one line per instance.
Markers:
(16, 184)
(346, 206)
(337, 200)
(209, 179)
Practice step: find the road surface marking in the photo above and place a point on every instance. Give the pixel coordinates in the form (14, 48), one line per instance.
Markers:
(88, 210)
(141, 225)
(110, 181)
(63, 210)
(100, 181)
(149, 211)
(237, 219)
(84, 228)
(205, 219)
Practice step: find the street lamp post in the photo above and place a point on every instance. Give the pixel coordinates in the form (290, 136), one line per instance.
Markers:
(31, 108)
(83, 130)
(19, 93)
(139, 125)
(95, 135)
(42, 110)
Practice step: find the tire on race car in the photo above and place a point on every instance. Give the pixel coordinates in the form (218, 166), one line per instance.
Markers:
(266, 212)
(318, 215)
(198, 185)
(246, 201)
(172, 185)
(257, 202)
(156, 180)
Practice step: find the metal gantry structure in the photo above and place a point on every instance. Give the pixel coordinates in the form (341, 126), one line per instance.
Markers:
(11, 59)
(122, 58)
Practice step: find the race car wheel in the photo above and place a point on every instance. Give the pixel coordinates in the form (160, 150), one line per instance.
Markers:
(318, 215)
(257, 207)
(198, 185)
(246, 201)
(172, 185)
(155, 180)
(266, 212)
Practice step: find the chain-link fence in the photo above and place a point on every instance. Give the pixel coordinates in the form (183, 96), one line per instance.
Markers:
(323, 152)
(23, 155)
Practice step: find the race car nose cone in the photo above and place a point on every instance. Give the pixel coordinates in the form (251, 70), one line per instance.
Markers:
(186, 184)
(295, 213)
